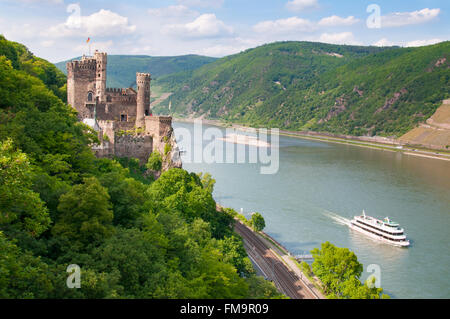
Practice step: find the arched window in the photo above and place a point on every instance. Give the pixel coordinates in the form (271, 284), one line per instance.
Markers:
(89, 97)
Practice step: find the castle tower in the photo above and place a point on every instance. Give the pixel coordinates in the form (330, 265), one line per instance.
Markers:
(81, 86)
(143, 98)
(100, 76)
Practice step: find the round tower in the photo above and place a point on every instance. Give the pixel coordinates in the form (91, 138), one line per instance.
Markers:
(143, 98)
(100, 76)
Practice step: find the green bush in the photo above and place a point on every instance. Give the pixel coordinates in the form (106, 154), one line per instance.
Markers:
(154, 161)
(167, 148)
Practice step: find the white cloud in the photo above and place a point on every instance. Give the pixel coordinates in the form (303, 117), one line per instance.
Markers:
(339, 38)
(221, 50)
(53, 2)
(48, 43)
(170, 12)
(205, 26)
(383, 43)
(335, 21)
(289, 25)
(19, 32)
(202, 3)
(398, 19)
(298, 5)
(101, 46)
(419, 43)
(229, 46)
(101, 23)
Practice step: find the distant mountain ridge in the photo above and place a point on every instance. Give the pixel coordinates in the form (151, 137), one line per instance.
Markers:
(315, 86)
(122, 68)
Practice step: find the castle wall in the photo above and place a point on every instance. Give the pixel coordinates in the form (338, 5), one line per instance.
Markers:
(114, 111)
(160, 128)
(158, 125)
(134, 146)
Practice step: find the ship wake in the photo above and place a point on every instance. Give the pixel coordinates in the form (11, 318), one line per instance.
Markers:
(337, 218)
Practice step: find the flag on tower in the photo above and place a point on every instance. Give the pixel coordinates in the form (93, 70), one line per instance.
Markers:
(89, 39)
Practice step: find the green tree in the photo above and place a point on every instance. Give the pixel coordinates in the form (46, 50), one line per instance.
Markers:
(339, 271)
(235, 254)
(154, 161)
(258, 222)
(263, 289)
(183, 192)
(21, 274)
(127, 195)
(207, 181)
(21, 209)
(85, 214)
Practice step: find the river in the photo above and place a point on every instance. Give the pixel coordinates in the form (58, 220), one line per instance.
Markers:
(319, 183)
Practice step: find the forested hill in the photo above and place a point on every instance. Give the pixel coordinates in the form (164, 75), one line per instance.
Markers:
(121, 69)
(314, 86)
(22, 59)
(132, 237)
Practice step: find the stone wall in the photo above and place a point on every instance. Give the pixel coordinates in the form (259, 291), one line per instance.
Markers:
(80, 81)
(134, 146)
(114, 111)
(160, 128)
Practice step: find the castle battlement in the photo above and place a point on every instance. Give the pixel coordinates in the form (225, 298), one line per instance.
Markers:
(90, 64)
(120, 92)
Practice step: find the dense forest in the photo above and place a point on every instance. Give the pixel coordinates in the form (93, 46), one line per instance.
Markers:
(121, 69)
(131, 236)
(314, 86)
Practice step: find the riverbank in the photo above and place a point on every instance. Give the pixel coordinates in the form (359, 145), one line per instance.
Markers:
(389, 145)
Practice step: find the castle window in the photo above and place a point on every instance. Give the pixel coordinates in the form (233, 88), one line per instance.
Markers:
(89, 97)
(146, 113)
(123, 118)
(108, 98)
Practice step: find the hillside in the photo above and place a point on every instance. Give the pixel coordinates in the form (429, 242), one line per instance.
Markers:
(130, 236)
(314, 86)
(122, 68)
(435, 133)
(22, 59)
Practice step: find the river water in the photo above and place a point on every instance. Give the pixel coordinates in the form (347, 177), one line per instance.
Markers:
(319, 183)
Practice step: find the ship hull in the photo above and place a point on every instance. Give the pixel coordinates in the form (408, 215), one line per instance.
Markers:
(378, 237)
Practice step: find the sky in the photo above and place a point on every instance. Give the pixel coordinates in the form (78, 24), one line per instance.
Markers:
(58, 30)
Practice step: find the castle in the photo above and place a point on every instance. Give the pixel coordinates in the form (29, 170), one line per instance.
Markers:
(122, 117)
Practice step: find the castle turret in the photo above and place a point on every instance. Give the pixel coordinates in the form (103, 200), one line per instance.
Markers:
(143, 98)
(81, 85)
(100, 77)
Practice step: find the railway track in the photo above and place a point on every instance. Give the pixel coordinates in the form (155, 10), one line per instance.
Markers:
(273, 267)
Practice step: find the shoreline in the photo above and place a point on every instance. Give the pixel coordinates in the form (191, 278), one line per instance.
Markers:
(355, 141)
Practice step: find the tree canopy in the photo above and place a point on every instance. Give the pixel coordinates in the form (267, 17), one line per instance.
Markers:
(339, 271)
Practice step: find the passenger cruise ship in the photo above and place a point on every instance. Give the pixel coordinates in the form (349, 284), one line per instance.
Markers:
(384, 230)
